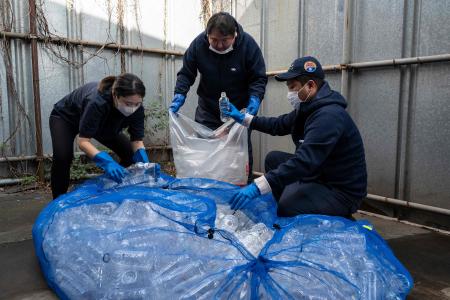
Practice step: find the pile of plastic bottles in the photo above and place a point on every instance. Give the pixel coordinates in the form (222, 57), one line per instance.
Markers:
(253, 236)
(177, 238)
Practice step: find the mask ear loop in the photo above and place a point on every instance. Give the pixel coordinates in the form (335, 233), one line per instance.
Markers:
(306, 99)
(299, 92)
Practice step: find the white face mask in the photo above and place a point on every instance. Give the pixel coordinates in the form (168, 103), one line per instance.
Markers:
(293, 98)
(221, 52)
(126, 110)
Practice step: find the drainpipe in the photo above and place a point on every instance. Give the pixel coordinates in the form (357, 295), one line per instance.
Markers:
(394, 62)
(10, 181)
(36, 91)
(419, 206)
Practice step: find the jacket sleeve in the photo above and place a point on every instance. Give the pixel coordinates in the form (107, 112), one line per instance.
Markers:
(186, 76)
(322, 132)
(256, 67)
(281, 125)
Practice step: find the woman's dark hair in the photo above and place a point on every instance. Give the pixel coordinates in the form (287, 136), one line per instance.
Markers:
(305, 78)
(223, 22)
(125, 84)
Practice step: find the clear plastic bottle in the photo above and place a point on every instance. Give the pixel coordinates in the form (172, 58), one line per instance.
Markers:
(224, 105)
(229, 223)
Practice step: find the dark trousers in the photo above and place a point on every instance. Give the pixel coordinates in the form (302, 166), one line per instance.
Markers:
(63, 135)
(305, 198)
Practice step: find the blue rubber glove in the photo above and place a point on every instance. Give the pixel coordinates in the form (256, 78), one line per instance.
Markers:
(156, 172)
(253, 105)
(235, 114)
(177, 102)
(245, 195)
(112, 169)
(140, 156)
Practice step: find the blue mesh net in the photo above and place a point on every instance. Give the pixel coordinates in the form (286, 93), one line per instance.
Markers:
(175, 238)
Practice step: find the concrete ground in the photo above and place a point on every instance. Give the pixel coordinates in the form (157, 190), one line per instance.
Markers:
(426, 254)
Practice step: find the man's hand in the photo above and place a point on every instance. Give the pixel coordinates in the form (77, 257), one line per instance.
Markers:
(177, 102)
(244, 196)
(235, 114)
(253, 105)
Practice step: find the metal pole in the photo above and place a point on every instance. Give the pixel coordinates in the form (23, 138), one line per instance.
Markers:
(346, 47)
(121, 36)
(36, 92)
(409, 204)
(20, 158)
(328, 68)
(402, 61)
(301, 29)
(32, 157)
(380, 63)
(261, 139)
(75, 42)
(10, 181)
(363, 212)
(397, 202)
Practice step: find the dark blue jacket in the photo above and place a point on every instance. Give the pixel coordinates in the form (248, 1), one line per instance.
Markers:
(93, 115)
(329, 148)
(240, 73)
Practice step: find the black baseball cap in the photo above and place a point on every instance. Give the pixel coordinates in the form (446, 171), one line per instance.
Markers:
(306, 65)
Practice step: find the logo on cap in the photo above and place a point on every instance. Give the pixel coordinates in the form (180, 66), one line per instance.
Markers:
(291, 68)
(310, 66)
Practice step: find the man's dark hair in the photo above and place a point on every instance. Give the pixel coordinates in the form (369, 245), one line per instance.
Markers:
(305, 78)
(125, 84)
(223, 22)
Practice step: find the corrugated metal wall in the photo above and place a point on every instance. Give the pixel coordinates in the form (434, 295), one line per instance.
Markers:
(169, 24)
(402, 112)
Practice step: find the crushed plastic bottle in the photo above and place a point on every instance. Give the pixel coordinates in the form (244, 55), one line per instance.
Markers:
(224, 105)
(229, 223)
(139, 173)
(252, 236)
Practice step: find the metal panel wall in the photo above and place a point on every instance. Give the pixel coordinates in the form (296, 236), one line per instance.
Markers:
(428, 164)
(169, 24)
(402, 112)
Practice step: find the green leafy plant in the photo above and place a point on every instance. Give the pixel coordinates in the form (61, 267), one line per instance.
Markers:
(157, 118)
(81, 169)
(28, 180)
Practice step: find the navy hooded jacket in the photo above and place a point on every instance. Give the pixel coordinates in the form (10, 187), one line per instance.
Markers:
(240, 73)
(329, 148)
(93, 115)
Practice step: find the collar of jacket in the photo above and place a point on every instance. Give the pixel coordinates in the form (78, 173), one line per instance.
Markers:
(325, 96)
(106, 96)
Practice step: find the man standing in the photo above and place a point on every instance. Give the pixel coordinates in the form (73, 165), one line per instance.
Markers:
(229, 60)
(327, 173)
